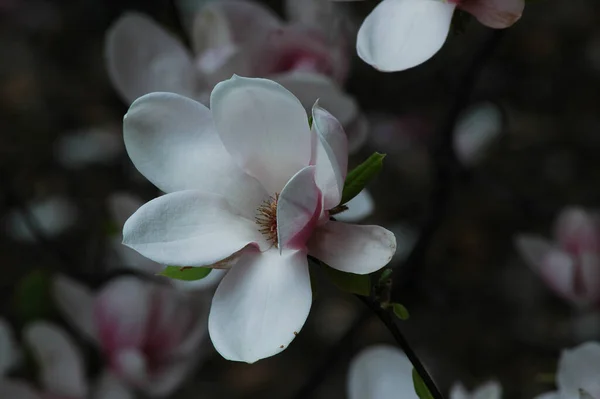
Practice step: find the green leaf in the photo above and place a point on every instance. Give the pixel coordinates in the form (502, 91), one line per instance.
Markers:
(185, 273)
(400, 311)
(357, 178)
(32, 297)
(420, 388)
(387, 273)
(349, 282)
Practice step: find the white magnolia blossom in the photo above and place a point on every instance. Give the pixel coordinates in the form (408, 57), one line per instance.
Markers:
(87, 147)
(250, 187)
(401, 34)
(10, 355)
(477, 129)
(121, 206)
(61, 368)
(52, 215)
(384, 372)
(577, 374)
(149, 334)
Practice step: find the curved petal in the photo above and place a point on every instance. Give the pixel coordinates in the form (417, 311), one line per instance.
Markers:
(558, 271)
(476, 131)
(61, 365)
(458, 391)
(533, 249)
(298, 210)
(110, 387)
(15, 389)
(260, 306)
(9, 351)
(330, 156)
(359, 208)
(578, 369)
(76, 303)
(401, 34)
(577, 230)
(172, 141)
(264, 127)
(380, 372)
(488, 390)
(142, 58)
(496, 14)
(190, 228)
(352, 248)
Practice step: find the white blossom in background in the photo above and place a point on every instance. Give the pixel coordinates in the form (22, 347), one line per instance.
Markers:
(85, 147)
(384, 372)
(52, 215)
(61, 370)
(577, 374)
(401, 34)
(477, 129)
(569, 264)
(148, 334)
(250, 187)
(10, 354)
(234, 37)
(121, 206)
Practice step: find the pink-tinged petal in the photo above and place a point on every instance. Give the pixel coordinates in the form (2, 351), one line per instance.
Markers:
(62, 371)
(260, 306)
(330, 156)
(558, 271)
(16, 389)
(190, 228)
(577, 231)
(578, 369)
(9, 351)
(496, 14)
(131, 365)
(298, 210)
(589, 264)
(380, 372)
(239, 23)
(110, 387)
(401, 34)
(264, 127)
(172, 141)
(76, 303)
(142, 58)
(359, 208)
(352, 248)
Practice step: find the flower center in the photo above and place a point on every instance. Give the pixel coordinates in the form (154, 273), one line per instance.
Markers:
(266, 218)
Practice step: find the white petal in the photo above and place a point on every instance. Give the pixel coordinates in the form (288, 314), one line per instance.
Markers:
(15, 389)
(142, 58)
(477, 129)
(578, 369)
(330, 156)
(488, 390)
(260, 306)
(577, 230)
(86, 147)
(352, 248)
(496, 14)
(458, 391)
(190, 228)
(533, 249)
(61, 365)
(401, 34)
(9, 351)
(110, 387)
(264, 128)
(76, 303)
(359, 208)
(172, 141)
(380, 372)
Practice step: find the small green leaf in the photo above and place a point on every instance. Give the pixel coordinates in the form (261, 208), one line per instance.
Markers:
(32, 297)
(400, 311)
(349, 282)
(185, 273)
(357, 178)
(420, 388)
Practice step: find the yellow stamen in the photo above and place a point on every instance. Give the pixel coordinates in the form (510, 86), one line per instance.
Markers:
(266, 218)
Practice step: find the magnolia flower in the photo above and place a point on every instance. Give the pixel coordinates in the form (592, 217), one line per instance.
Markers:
(250, 188)
(570, 265)
(52, 215)
(401, 34)
(121, 207)
(383, 372)
(89, 146)
(577, 375)
(148, 333)
(233, 37)
(61, 370)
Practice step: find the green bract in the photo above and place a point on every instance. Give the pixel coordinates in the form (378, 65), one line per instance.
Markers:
(185, 273)
(357, 178)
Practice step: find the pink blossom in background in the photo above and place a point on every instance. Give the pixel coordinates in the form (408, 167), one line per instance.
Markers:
(149, 334)
(570, 264)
